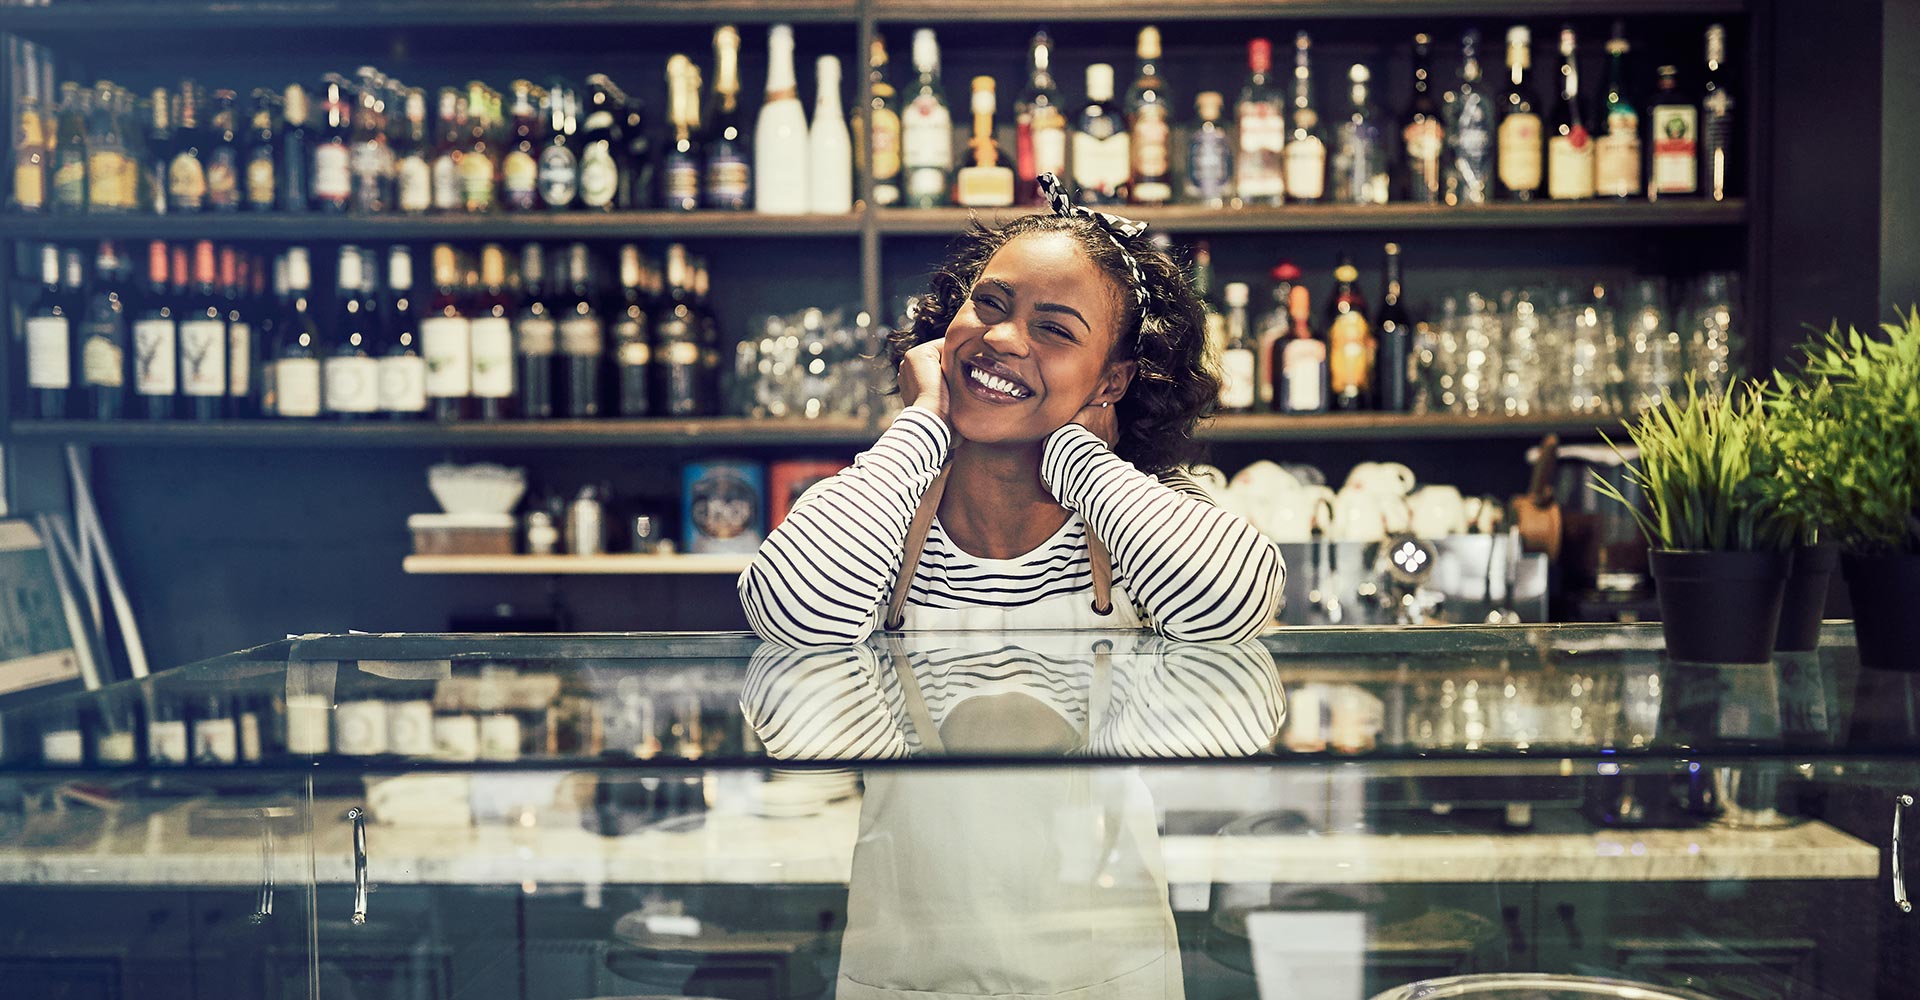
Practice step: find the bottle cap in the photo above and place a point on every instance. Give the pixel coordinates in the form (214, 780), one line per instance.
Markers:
(1236, 293)
(827, 72)
(1149, 47)
(1099, 82)
(1208, 104)
(983, 95)
(1286, 270)
(926, 51)
(1260, 55)
(1359, 73)
(1519, 35)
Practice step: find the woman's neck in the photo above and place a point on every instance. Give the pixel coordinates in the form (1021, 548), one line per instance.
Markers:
(995, 506)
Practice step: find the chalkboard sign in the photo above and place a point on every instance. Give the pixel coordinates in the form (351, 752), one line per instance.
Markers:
(36, 647)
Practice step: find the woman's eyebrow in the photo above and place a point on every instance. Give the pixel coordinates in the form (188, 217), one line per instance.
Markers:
(1055, 307)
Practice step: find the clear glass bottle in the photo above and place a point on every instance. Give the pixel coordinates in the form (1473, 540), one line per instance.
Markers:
(1521, 157)
(1616, 155)
(1210, 154)
(1259, 170)
(1039, 123)
(1570, 146)
(1423, 134)
(1469, 121)
(1150, 122)
(1359, 147)
(1239, 368)
(1306, 155)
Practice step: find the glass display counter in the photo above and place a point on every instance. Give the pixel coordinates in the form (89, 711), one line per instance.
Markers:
(1539, 812)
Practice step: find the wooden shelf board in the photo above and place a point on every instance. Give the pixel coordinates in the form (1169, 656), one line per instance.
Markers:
(614, 564)
(662, 432)
(1196, 219)
(312, 226)
(1254, 10)
(1392, 427)
(70, 18)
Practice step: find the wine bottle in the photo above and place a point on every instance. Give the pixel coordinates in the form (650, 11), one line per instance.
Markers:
(729, 169)
(1306, 155)
(1393, 371)
(156, 173)
(883, 127)
(350, 376)
(186, 168)
(296, 178)
(726, 172)
(600, 146)
(535, 335)
(296, 361)
(332, 177)
(49, 330)
(242, 344)
(203, 339)
(369, 151)
(1616, 166)
(1519, 139)
(1150, 113)
(1570, 147)
(492, 333)
(1719, 157)
(632, 336)
(637, 173)
(1238, 367)
(676, 331)
(155, 342)
(1102, 160)
(780, 164)
(446, 340)
(559, 166)
(70, 151)
(1423, 135)
(413, 167)
(829, 146)
(1259, 171)
(1350, 344)
(262, 175)
(403, 372)
(926, 129)
(520, 163)
(1039, 123)
(1303, 361)
(582, 338)
(103, 340)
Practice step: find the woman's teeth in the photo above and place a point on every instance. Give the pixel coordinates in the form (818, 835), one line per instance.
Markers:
(997, 384)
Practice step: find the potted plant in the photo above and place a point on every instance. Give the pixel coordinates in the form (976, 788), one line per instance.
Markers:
(1790, 404)
(1848, 434)
(1718, 547)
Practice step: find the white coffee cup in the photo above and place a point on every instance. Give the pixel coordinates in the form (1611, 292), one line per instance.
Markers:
(1295, 515)
(1387, 478)
(1438, 511)
(1361, 516)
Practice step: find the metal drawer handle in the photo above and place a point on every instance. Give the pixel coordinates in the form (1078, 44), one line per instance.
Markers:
(359, 818)
(1900, 804)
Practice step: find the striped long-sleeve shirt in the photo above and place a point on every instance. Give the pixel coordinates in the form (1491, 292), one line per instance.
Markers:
(1197, 572)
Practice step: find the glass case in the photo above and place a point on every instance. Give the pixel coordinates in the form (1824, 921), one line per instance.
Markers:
(1538, 812)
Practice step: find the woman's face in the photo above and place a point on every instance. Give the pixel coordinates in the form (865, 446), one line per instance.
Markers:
(1030, 346)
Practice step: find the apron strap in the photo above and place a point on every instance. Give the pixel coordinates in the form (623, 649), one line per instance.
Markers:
(916, 703)
(1100, 562)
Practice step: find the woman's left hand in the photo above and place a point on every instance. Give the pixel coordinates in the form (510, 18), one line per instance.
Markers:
(1101, 421)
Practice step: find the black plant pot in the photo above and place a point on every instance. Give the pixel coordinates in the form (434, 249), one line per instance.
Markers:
(1806, 598)
(1886, 609)
(1720, 607)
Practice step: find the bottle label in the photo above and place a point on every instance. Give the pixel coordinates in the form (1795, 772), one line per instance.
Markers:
(520, 176)
(1237, 379)
(1570, 165)
(1210, 165)
(1101, 165)
(61, 746)
(239, 360)
(403, 383)
(332, 173)
(1717, 131)
(1616, 157)
(559, 176)
(926, 135)
(153, 361)
(492, 357)
(1359, 165)
(296, 385)
(215, 741)
(414, 187)
(1150, 158)
(599, 178)
(223, 179)
(203, 356)
(446, 184)
(681, 353)
(886, 143)
(683, 181)
(580, 336)
(166, 741)
(727, 181)
(1425, 140)
(447, 344)
(1350, 360)
(476, 183)
(103, 362)
(1302, 371)
(634, 352)
(49, 364)
(70, 180)
(186, 183)
(926, 185)
(537, 336)
(1675, 148)
(29, 186)
(1263, 140)
(1306, 168)
(1049, 142)
(1520, 157)
(352, 384)
(108, 174)
(260, 178)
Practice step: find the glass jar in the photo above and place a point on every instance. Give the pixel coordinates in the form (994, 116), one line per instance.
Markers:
(1656, 365)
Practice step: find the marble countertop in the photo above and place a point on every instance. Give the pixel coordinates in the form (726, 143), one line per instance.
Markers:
(727, 846)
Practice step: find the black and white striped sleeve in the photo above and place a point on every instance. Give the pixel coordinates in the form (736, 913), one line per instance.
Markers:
(821, 704)
(1202, 573)
(820, 578)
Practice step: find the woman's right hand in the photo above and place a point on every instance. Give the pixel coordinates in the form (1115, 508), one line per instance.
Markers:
(923, 377)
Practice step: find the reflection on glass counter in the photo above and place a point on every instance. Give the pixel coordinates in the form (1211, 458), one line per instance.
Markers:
(1327, 814)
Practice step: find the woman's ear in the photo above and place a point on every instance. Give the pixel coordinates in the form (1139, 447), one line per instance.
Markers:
(1114, 381)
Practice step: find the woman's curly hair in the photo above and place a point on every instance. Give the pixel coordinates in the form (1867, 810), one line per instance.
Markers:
(1173, 387)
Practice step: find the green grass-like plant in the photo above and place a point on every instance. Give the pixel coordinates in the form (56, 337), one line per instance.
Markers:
(1846, 432)
(1704, 471)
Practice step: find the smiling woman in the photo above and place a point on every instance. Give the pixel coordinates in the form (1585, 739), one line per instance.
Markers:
(1053, 377)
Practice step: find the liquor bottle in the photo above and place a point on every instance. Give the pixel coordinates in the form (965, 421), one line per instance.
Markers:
(1469, 114)
(112, 177)
(1260, 170)
(216, 736)
(632, 337)
(242, 342)
(1520, 147)
(1393, 373)
(1676, 140)
(1349, 341)
(681, 171)
(583, 338)
(1209, 154)
(479, 167)
(1360, 147)
(491, 328)
(49, 329)
(1150, 110)
(157, 162)
(70, 151)
(186, 167)
(413, 167)
(295, 155)
(370, 150)
(449, 150)
(1039, 123)
(926, 129)
(103, 340)
(1274, 329)
(520, 166)
(1239, 370)
(676, 331)
(1718, 155)
(332, 178)
(728, 181)
(882, 124)
(155, 340)
(1102, 159)
(446, 340)
(559, 166)
(1423, 135)
(535, 335)
(1616, 167)
(350, 375)
(260, 178)
(780, 161)
(1570, 145)
(203, 339)
(829, 146)
(221, 155)
(1306, 155)
(296, 357)
(1303, 361)
(403, 372)
(637, 179)
(1214, 337)
(988, 181)
(709, 327)
(600, 146)
(32, 155)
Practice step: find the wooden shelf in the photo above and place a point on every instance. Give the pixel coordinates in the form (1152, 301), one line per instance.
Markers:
(316, 227)
(1322, 218)
(700, 432)
(1217, 10)
(1398, 427)
(616, 564)
(64, 19)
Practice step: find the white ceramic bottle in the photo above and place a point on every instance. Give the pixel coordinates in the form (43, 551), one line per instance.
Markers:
(780, 135)
(829, 145)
